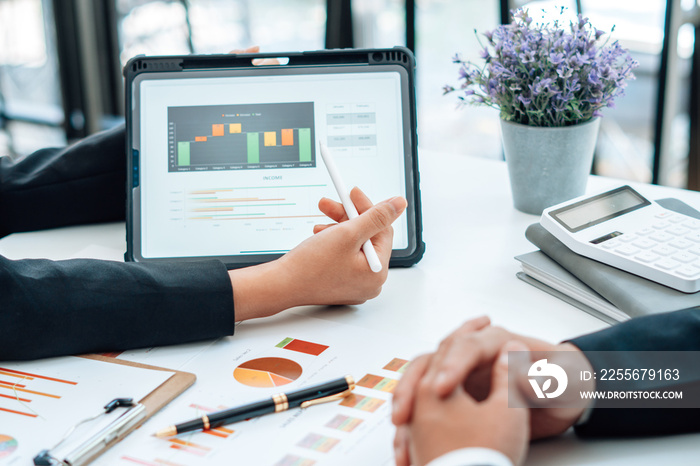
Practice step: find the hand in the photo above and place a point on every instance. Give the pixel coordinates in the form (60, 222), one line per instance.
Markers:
(443, 424)
(465, 358)
(328, 268)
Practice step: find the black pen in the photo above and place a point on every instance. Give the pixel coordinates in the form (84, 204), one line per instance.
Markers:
(323, 393)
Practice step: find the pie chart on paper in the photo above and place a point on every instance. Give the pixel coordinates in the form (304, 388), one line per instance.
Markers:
(267, 372)
(7, 446)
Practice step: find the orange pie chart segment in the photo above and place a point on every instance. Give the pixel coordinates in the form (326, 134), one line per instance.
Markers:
(267, 372)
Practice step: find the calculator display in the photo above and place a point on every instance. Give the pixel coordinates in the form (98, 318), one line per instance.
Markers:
(598, 209)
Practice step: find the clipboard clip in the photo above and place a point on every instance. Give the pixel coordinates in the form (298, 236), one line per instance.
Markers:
(100, 441)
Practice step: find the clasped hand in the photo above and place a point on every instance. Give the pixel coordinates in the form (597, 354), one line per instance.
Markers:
(457, 398)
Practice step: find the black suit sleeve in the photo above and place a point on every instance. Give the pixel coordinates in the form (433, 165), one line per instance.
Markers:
(675, 331)
(53, 308)
(83, 183)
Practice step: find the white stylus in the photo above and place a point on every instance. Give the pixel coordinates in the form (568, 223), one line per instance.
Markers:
(368, 247)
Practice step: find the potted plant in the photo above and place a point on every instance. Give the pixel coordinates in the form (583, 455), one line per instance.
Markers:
(549, 82)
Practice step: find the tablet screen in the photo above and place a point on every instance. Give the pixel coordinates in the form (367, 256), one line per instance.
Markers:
(230, 163)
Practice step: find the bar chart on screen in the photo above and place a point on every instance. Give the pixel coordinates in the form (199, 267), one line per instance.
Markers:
(236, 137)
(250, 203)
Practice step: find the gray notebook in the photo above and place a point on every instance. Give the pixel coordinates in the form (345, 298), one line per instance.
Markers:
(633, 295)
(542, 272)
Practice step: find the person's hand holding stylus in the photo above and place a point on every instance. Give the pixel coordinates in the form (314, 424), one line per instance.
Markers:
(372, 259)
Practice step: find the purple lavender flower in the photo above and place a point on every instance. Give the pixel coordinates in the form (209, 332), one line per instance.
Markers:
(568, 78)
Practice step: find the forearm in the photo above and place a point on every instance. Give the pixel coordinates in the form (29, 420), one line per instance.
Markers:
(68, 307)
(620, 347)
(83, 183)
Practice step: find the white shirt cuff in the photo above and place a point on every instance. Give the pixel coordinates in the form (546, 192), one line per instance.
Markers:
(472, 457)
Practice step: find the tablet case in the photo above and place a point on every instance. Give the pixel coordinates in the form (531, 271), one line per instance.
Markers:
(367, 57)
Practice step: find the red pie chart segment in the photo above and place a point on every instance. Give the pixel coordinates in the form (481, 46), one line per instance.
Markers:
(267, 372)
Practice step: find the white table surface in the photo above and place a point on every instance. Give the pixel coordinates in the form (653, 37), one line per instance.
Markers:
(472, 233)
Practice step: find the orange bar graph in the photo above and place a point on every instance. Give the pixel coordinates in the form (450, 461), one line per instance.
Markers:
(270, 138)
(24, 390)
(30, 375)
(24, 377)
(287, 137)
(13, 384)
(18, 412)
(25, 400)
(217, 130)
(234, 128)
(200, 139)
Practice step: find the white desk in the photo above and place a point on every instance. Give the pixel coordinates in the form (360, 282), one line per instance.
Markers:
(472, 233)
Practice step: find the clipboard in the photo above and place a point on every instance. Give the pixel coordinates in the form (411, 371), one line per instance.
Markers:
(161, 396)
(153, 402)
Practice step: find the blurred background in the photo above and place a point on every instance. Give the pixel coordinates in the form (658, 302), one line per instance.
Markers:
(60, 65)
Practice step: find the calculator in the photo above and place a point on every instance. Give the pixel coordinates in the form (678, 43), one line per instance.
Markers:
(623, 229)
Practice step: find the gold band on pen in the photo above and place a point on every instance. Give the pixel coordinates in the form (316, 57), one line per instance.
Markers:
(205, 420)
(281, 402)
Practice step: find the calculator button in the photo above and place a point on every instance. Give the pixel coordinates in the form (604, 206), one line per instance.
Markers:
(685, 257)
(678, 231)
(627, 250)
(665, 214)
(644, 243)
(646, 257)
(694, 237)
(667, 264)
(664, 250)
(645, 231)
(662, 237)
(610, 244)
(687, 271)
(692, 224)
(680, 244)
(627, 238)
(677, 219)
(661, 225)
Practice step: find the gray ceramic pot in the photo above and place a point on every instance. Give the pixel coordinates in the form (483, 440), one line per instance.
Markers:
(548, 165)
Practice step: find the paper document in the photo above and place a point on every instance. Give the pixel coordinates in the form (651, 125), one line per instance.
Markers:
(41, 400)
(265, 358)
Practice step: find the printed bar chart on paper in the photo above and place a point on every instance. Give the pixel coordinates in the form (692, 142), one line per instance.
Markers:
(363, 403)
(397, 365)
(42, 399)
(293, 460)
(17, 386)
(377, 382)
(344, 423)
(301, 346)
(235, 137)
(318, 442)
(175, 451)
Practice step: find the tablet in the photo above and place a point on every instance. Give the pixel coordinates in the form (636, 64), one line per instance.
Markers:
(224, 157)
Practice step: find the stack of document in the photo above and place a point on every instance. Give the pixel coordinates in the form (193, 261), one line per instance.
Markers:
(608, 293)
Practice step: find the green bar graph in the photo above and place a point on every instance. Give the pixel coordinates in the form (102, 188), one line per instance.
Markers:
(305, 144)
(183, 153)
(253, 147)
